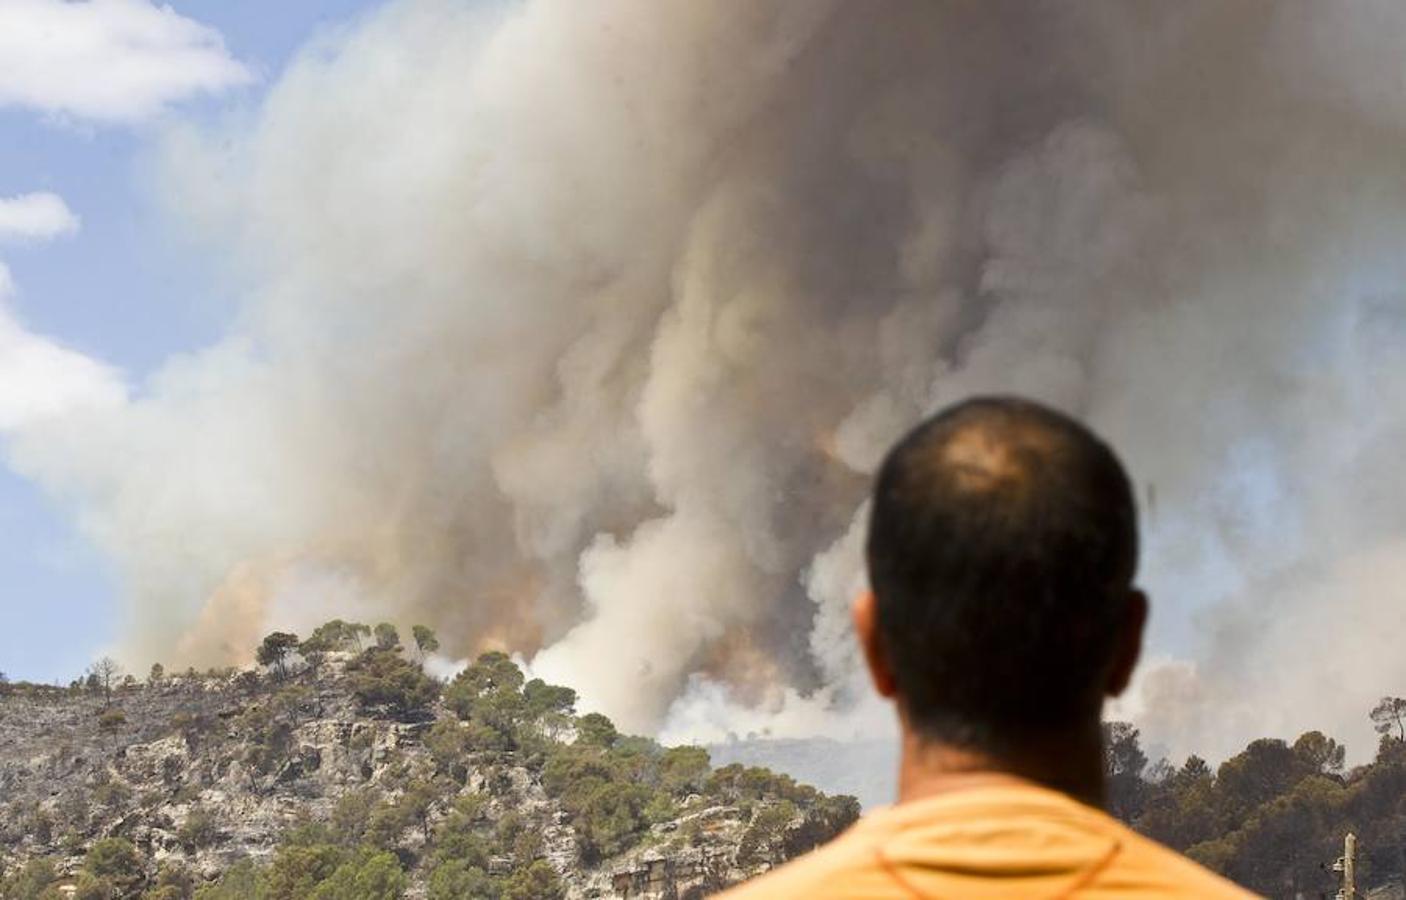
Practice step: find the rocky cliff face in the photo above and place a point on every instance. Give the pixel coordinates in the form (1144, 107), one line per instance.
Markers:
(204, 775)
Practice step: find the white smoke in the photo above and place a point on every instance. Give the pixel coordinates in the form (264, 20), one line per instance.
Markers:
(578, 329)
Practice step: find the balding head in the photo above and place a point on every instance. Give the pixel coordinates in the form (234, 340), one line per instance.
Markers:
(1002, 546)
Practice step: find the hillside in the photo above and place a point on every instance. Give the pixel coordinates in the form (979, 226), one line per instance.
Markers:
(338, 772)
(342, 771)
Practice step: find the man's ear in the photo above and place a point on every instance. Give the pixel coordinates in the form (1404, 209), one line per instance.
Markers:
(866, 628)
(1128, 644)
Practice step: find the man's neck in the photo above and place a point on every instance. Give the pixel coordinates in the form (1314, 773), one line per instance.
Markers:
(1070, 763)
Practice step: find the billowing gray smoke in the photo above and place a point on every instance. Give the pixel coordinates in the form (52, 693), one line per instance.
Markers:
(578, 329)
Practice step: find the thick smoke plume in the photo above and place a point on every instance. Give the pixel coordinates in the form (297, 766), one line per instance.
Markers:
(579, 328)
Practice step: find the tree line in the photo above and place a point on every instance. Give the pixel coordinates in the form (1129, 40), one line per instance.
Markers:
(1273, 816)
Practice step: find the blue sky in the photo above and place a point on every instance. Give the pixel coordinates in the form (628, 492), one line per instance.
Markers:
(123, 289)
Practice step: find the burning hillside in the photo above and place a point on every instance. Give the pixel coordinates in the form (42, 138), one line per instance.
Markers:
(576, 330)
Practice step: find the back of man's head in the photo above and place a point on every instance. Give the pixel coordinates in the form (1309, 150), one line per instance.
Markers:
(1001, 551)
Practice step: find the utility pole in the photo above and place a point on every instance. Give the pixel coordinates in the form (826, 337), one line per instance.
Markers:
(1347, 865)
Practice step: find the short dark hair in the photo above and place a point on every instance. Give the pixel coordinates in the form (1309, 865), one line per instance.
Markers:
(1001, 552)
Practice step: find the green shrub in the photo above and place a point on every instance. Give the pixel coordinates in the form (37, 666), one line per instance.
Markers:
(457, 839)
(368, 875)
(660, 808)
(114, 858)
(527, 846)
(113, 795)
(684, 770)
(449, 744)
(425, 639)
(481, 736)
(351, 817)
(298, 869)
(386, 826)
(335, 635)
(382, 680)
(91, 887)
(538, 881)
(490, 692)
(387, 638)
(275, 650)
(604, 794)
(173, 882)
(30, 881)
(762, 841)
(594, 729)
(242, 881)
(199, 830)
(823, 821)
(456, 879)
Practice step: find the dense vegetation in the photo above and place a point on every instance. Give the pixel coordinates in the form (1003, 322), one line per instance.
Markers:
(488, 738)
(1273, 816)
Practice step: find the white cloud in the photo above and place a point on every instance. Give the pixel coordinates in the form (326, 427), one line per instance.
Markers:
(36, 217)
(41, 379)
(107, 60)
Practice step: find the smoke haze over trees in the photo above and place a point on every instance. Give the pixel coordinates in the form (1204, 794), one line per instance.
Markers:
(1271, 817)
(576, 330)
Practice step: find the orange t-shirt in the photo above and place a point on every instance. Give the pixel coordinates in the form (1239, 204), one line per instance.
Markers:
(1015, 840)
